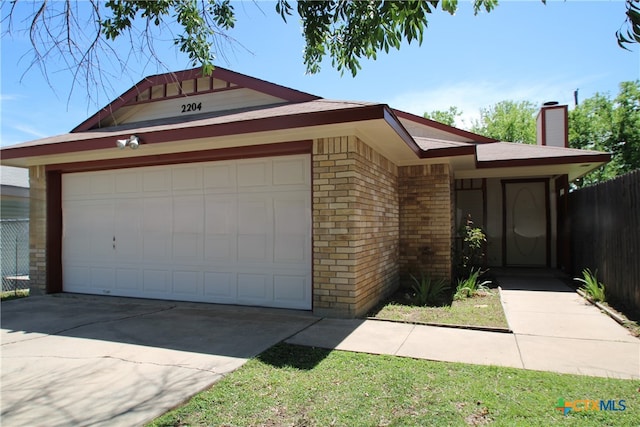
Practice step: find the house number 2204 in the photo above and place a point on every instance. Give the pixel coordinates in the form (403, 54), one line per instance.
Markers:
(191, 107)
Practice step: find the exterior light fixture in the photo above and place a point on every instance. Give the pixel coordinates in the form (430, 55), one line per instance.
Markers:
(133, 142)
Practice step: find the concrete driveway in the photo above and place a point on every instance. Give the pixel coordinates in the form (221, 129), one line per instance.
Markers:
(71, 360)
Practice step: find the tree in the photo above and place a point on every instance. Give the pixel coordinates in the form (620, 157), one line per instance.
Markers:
(626, 120)
(613, 126)
(508, 121)
(79, 32)
(347, 31)
(448, 117)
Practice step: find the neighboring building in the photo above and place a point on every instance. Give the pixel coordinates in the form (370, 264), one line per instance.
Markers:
(247, 192)
(14, 192)
(14, 227)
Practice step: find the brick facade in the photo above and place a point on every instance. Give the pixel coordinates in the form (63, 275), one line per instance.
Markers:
(427, 220)
(37, 230)
(355, 227)
(373, 223)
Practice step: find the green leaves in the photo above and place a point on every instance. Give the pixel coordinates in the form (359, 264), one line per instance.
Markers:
(351, 30)
(594, 289)
(630, 34)
(508, 121)
(200, 22)
(448, 117)
(609, 125)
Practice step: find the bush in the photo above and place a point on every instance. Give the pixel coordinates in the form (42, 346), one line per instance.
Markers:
(594, 289)
(428, 291)
(471, 285)
(471, 254)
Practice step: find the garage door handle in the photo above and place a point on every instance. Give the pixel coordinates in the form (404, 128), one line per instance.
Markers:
(114, 242)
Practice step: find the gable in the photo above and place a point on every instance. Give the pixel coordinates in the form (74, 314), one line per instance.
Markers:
(152, 104)
(189, 93)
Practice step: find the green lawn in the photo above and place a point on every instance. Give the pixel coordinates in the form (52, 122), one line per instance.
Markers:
(298, 386)
(484, 310)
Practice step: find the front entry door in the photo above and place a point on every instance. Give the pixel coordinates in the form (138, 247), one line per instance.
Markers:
(526, 231)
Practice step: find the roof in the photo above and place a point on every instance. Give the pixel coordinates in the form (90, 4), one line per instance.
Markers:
(283, 115)
(263, 86)
(318, 112)
(512, 154)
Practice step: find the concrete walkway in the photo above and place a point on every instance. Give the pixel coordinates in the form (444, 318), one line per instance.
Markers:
(554, 329)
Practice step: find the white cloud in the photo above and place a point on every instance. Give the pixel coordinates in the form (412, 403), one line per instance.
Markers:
(29, 130)
(4, 97)
(472, 95)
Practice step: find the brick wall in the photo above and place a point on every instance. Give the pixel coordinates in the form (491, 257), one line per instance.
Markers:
(426, 220)
(37, 230)
(355, 227)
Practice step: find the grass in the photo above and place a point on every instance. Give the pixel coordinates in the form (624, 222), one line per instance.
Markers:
(9, 295)
(591, 286)
(299, 386)
(482, 310)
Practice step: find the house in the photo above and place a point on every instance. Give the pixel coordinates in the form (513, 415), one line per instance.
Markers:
(14, 227)
(14, 193)
(234, 190)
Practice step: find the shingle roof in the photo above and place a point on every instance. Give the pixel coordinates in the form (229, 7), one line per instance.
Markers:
(509, 153)
(203, 120)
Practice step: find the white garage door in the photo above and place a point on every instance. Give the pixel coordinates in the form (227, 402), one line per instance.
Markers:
(234, 232)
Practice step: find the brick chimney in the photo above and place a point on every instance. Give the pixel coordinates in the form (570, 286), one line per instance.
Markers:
(553, 125)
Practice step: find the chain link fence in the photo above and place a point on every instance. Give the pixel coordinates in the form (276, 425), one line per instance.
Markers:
(14, 254)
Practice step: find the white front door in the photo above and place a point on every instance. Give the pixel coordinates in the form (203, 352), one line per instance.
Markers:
(236, 232)
(526, 223)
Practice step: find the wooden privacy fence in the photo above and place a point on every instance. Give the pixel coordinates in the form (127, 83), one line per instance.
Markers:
(605, 235)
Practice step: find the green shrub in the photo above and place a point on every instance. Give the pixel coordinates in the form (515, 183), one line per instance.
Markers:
(594, 289)
(471, 285)
(429, 291)
(471, 252)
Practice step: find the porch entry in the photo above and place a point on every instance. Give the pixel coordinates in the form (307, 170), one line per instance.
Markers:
(526, 223)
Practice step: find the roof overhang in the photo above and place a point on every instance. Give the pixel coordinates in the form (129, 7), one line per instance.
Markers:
(375, 124)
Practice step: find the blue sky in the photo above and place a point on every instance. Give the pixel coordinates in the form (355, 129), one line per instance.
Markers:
(519, 51)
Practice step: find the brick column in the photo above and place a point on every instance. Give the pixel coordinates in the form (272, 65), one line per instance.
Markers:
(37, 230)
(426, 220)
(355, 227)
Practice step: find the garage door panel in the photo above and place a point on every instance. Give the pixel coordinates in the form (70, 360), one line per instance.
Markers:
(188, 221)
(220, 228)
(253, 248)
(127, 229)
(188, 283)
(75, 244)
(291, 171)
(186, 178)
(291, 242)
(290, 288)
(102, 184)
(127, 182)
(253, 174)
(100, 230)
(127, 279)
(156, 229)
(155, 281)
(76, 277)
(254, 287)
(102, 279)
(220, 177)
(220, 286)
(235, 232)
(188, 214)
(156, 180)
